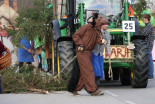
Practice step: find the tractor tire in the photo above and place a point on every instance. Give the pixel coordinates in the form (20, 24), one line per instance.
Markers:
(115, 73)
(66, 54)
(125, 76)
(106, 75)
(141, 64)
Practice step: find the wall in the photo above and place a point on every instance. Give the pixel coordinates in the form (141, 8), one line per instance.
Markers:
(8, 12)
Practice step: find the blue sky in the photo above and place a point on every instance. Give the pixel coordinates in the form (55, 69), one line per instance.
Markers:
(107, 7)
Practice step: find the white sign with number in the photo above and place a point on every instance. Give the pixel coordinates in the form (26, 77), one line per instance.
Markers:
(128, 26)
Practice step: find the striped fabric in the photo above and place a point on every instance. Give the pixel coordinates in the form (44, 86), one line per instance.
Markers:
(148, 31)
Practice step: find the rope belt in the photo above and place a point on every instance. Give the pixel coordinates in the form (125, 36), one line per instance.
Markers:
(110, 69)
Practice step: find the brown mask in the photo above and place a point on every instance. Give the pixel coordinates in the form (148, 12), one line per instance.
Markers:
(100, 22)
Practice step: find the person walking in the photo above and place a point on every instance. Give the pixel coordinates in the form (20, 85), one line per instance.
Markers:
(148, 31)
(97, 54)
(85, 40)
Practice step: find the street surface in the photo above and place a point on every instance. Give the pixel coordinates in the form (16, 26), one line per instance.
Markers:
(114, 94)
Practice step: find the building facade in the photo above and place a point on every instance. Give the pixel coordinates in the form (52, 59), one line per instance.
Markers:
(8, 12)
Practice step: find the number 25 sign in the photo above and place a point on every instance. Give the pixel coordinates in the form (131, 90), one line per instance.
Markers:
(128, 26)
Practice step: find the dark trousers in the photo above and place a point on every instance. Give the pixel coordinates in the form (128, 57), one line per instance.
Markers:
(21, 64)
(87, 77)
(151, 66)
(40, 63)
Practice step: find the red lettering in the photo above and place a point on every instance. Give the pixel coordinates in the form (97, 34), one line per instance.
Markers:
(119, 50)
(113, 51)
(127, 51)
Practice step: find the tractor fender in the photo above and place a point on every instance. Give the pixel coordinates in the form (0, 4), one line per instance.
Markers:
(64, 38)
(56, 29)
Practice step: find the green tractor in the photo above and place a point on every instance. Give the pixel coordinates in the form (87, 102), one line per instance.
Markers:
(128, 65)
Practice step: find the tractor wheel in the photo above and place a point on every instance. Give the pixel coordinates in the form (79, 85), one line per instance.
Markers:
(65, 50)
(106, 75)
(125, 76)
(115, 73)
(140, 71)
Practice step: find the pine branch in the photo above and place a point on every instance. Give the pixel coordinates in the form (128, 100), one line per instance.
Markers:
(32, 21)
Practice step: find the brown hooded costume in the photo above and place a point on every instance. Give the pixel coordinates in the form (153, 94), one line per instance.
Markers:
(87, 37)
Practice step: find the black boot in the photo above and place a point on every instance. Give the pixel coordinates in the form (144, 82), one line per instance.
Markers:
(40, 63)
(49, 63)
(97, 81)
(75, 74)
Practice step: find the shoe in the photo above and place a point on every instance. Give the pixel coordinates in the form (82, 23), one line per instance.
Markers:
(75, 93)
(97, 93)
(150, 78)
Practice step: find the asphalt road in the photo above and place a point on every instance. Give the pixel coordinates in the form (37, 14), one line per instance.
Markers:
(114, 94)
(129, 95)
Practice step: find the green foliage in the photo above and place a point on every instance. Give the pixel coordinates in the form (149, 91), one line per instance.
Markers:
(34, 22)
(26, 77)
(140, 5)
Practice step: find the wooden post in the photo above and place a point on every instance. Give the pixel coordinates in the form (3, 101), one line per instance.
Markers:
(55, 8)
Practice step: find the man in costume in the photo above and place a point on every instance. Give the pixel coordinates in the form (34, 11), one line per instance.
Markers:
(85, 39)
